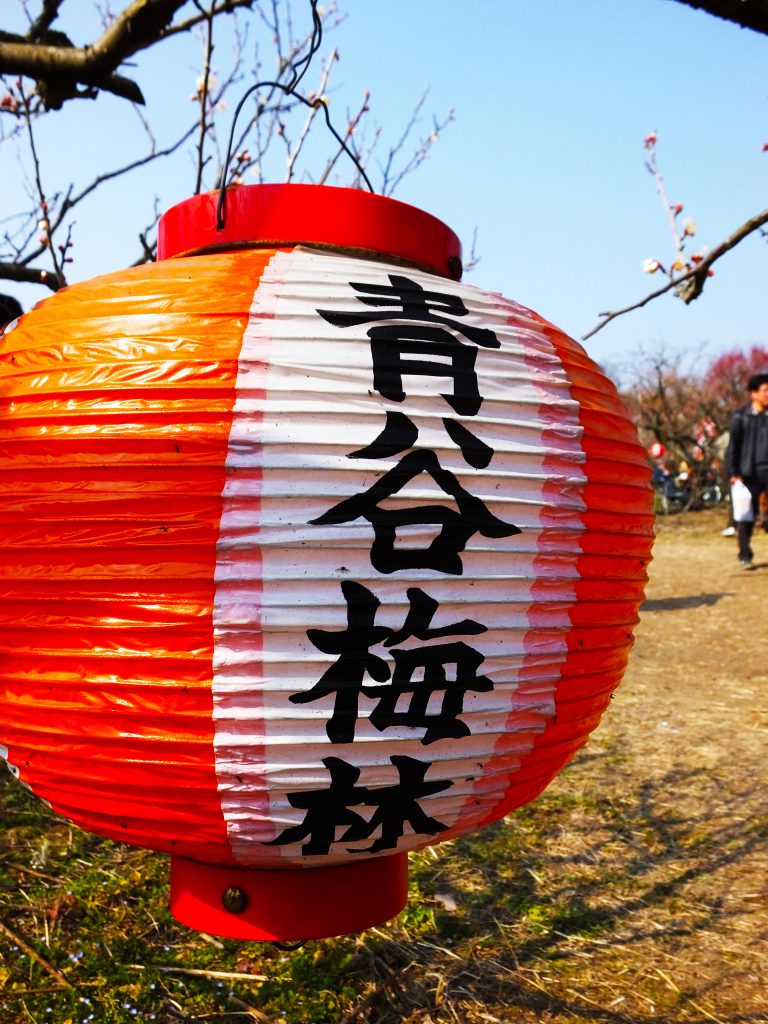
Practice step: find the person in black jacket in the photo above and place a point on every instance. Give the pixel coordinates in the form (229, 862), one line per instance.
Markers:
(747, 456)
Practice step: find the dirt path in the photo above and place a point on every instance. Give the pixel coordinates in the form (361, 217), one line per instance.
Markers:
(683, 752)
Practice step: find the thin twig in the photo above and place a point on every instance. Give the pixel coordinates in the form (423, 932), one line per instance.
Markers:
(697, 276)
(352, 125)
(669, 210)
(193, 972)
(359, 1009)
(203, 94)
(41, 191)
(293, 151)
(17, 940)
(30, 871)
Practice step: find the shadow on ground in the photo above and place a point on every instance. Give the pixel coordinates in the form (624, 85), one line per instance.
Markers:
(668, 604)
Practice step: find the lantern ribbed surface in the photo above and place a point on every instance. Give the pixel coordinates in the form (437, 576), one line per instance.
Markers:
(306, 559)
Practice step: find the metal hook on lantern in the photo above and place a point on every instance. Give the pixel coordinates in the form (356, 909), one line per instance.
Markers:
(298, 73)
(290, 947)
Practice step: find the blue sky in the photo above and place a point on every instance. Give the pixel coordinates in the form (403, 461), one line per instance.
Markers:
(552, 101)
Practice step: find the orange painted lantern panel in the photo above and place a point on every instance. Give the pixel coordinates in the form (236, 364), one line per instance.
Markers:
(311, 555)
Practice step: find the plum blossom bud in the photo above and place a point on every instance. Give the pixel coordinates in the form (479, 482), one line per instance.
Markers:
(651, 266)
(650, 140)
(690, 227)
(678, 208)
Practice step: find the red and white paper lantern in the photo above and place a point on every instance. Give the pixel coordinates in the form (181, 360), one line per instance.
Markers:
(312, 555)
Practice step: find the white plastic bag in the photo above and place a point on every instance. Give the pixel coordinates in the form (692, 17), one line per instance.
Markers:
(741, 499)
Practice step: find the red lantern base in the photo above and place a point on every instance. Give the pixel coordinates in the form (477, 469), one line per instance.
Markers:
(288, 904)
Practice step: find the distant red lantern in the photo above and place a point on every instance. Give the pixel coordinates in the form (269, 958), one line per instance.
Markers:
(657, 450)
(312, 555)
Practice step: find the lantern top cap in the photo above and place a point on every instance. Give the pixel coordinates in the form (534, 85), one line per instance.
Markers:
(271, 216)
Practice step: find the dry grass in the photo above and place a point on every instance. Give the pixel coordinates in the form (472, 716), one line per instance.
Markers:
(633, 891)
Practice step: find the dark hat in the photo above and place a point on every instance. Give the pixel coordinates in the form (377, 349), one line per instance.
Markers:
(757, 380)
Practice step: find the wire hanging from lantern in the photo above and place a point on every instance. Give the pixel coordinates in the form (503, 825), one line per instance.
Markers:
(298, 69)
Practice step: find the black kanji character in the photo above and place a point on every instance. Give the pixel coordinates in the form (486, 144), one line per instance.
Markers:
(329, 809)
(404, 299)
(443, 552)
(439, 723)
(395, 352)
(396, 805)
(476, 452)
(345, 677)
(418, 621)
(400, 433)
(443, 355)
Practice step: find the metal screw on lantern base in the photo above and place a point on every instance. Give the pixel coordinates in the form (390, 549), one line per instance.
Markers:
(288, 904)
(234, 900)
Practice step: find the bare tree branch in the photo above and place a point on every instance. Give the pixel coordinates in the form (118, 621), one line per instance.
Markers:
(223, 7)
(47, 238)
(60, 67)
(390, 178)
(294, 150)
(203, 93)
(66, 67)
(747, 13)
(155, 154)
(28, 275)
(691, 284)
(137, 27)
(352, 125)
(48, 14)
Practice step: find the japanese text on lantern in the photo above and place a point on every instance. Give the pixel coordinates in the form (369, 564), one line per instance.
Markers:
(412, 332)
